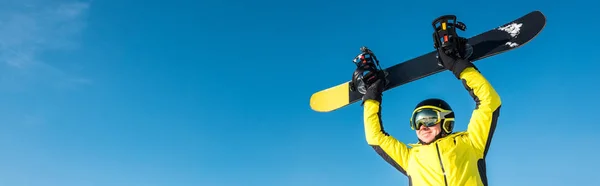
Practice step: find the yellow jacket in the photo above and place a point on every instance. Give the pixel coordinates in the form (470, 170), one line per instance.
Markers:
(455, 160)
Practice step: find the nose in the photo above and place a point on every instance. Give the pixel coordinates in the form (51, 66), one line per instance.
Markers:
(422, 127)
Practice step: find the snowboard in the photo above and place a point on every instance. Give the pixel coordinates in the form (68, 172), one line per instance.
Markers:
(504, 38)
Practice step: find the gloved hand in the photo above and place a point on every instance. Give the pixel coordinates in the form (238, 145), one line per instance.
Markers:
(375, 84)
(453, 63)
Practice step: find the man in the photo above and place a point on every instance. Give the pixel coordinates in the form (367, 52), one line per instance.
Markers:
(441, 157)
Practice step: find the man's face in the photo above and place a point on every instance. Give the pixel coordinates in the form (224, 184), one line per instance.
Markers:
(427, 134)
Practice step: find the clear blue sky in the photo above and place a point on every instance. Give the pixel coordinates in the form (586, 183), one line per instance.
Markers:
(160, 93)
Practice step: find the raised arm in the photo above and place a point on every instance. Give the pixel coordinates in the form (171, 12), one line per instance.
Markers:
(391, 150)
(487, 108)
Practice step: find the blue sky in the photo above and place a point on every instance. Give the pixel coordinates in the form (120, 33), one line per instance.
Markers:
(155, 93)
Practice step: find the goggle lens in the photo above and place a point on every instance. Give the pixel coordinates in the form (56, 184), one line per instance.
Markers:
(427, 117)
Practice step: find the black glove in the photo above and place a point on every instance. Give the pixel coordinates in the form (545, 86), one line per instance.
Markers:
(375, 83)
(452, 62)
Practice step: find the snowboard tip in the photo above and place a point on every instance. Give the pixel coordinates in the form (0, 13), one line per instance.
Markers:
(330, 99)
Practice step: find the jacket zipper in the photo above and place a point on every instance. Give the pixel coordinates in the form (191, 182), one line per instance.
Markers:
(441, 164)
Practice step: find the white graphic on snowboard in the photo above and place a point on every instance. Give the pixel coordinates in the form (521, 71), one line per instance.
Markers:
(511, 44)
(514, 29)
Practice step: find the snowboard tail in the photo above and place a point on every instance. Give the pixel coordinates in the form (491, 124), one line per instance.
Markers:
(506, 37)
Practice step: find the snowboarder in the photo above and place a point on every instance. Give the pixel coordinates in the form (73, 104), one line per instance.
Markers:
(441, 156)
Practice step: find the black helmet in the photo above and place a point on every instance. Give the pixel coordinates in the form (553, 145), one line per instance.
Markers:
(433, 111)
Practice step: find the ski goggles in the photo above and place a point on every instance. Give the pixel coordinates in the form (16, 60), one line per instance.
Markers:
(429, 116)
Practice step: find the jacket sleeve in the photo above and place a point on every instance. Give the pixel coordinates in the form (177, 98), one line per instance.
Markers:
(487, 107)
(391, 150)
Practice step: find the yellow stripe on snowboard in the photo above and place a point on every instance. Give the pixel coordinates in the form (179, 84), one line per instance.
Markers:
(331, 98)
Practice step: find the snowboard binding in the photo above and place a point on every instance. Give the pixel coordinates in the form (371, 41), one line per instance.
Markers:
(447, 39)
(367, 70)
(366, 59)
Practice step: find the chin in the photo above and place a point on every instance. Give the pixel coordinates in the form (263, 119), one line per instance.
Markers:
(426, 140)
